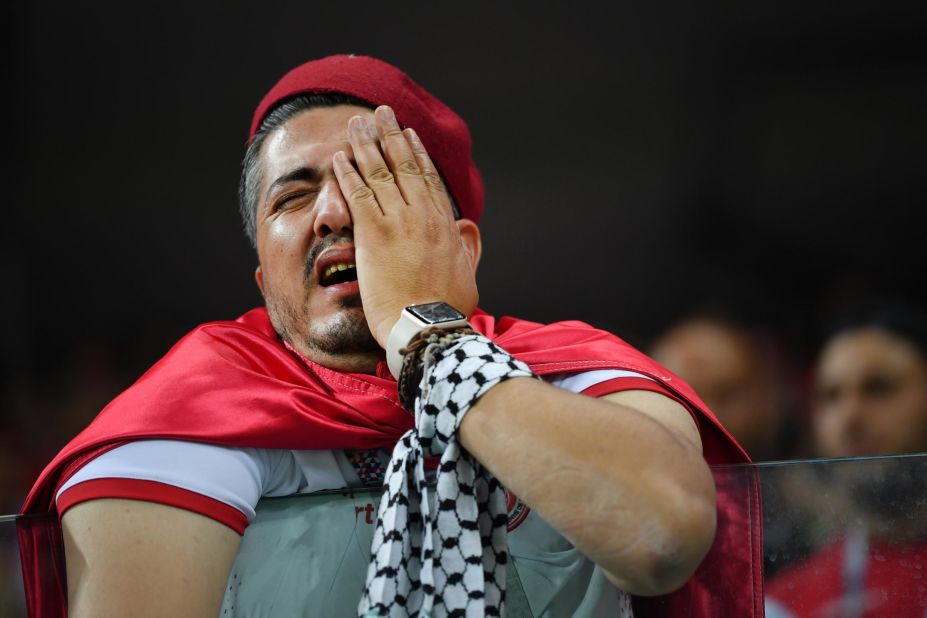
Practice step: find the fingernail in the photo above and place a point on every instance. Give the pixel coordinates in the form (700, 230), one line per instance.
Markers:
(358, 126)
(387, 115)
(340, 157)
(413, 136)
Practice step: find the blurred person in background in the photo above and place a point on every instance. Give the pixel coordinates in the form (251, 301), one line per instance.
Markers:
(870, 398)
(738, 375)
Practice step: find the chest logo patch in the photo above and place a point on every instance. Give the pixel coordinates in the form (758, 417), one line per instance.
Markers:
(517, 509)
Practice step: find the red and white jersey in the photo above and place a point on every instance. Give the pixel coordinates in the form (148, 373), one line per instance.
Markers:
(225, 483)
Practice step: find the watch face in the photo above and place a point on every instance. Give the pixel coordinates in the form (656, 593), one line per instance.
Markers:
(435, 313)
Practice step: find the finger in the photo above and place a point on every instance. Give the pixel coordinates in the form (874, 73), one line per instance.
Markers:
(400, 158)
(361, 199)
(373, 169)
(430, 175)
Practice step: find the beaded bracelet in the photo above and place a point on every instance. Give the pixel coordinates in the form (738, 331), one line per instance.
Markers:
(410, 376)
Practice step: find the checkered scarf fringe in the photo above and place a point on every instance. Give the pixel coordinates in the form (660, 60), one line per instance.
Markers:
(450, 562)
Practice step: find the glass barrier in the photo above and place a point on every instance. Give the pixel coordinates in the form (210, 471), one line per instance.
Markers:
(12, 599)
(842, 538)
(845, 537)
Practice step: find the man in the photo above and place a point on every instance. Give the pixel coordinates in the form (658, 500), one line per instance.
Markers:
(733, 372)
(349, 193)
(870, 398)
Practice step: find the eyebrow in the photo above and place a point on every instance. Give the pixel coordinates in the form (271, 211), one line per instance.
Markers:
(306, 174)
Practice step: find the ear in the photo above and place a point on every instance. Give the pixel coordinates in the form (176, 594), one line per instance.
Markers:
(259, 278)
(472, 242)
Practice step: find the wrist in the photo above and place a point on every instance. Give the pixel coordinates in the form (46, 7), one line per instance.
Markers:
(458, 369)
(413, 320)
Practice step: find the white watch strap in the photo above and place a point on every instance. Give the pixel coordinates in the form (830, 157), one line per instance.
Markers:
(399, 337)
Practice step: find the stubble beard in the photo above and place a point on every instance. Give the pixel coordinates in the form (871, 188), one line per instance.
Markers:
(346, 333)
(342, 338)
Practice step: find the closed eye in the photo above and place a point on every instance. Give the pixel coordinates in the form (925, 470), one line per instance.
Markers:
(298, 178)
(296, 199)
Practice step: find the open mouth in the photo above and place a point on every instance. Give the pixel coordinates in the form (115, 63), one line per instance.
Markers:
(343, 272)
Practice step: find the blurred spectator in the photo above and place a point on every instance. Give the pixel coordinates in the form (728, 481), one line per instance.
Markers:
(870, 399)
(738, 375)
(871, 389)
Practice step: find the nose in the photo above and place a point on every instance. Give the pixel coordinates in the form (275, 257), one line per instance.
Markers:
(332, 213)
(852, 419)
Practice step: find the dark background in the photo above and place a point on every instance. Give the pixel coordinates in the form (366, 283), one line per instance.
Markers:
(641, 160)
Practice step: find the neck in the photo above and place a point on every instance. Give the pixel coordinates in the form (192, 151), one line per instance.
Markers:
(349, 362)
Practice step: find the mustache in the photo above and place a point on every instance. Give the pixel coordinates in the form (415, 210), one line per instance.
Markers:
(322, 245)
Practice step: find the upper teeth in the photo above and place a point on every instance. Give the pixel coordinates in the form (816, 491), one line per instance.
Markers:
(331, 270)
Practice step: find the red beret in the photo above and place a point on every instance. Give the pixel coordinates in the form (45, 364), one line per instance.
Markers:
(443, 132)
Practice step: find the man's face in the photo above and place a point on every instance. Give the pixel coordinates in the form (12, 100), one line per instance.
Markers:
(305, 242)
(723, 368)
(871, 396)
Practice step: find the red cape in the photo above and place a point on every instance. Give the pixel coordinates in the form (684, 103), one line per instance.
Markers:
(233, 383)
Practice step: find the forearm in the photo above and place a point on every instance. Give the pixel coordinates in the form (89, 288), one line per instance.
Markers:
(629, 493)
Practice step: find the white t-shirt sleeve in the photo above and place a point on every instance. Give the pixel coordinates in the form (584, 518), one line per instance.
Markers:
(578, 382)
(237, 477)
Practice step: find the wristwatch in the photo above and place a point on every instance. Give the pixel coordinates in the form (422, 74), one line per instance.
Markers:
(413, 320)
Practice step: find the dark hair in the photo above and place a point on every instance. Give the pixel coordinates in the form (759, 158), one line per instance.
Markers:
(898, 319)
(250, 183)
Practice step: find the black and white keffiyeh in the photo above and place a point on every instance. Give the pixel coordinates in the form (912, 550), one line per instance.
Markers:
(450, 562)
